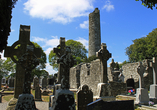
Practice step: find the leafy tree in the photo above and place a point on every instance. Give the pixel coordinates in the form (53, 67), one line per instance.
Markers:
(77, 49)
(124, 62)
(91, 58)
(149, 3)
(143, 48)
(6, 7)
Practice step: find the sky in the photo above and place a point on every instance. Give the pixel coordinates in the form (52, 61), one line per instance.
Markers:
(121, 22)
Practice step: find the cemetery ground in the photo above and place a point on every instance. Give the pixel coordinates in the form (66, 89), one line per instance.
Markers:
(45, 98)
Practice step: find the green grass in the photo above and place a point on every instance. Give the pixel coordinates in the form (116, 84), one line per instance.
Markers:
(8, 97)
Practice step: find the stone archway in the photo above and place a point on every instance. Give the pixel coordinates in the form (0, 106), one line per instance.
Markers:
(130, 83)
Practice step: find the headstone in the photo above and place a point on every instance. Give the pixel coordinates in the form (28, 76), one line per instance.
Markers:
(37, 93)
(103, 54)
(0, 84)
(121, 76)
(35, 82)
(3, 80)
(11, 51)
(141, 92)
(0, 97)
(28, 61)
(84, 97)
(40, 80)
(59, 52)
(64, 98)
(153, 87)
(44, 82)
(112, 105)
(11, 82)
(51, 81)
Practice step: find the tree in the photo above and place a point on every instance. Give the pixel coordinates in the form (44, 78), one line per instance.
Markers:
(77, 49)
(143, 48)
(149, 3)
(6, 7)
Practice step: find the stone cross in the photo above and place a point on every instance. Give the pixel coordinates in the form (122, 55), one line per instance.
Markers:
(66, 62)
(18, 51)
(59, 52)
(103, 54)
(153, 64)
(28, 61)
(140, 71)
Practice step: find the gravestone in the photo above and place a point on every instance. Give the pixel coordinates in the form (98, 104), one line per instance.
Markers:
(28, 61)
(112, 105)
(18, 51)
(37, 93)
(103, 54)
(40, 80)
(153, 87)
(11, 82)
(35, 82)
(84, 97)
(51, 81)
(64, 98)
(59, 52)
(44, 82)
(3, 80)
(141, 92)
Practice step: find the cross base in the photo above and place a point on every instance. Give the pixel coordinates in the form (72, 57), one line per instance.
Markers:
(63, 100)
(25, 102)
(142, 96)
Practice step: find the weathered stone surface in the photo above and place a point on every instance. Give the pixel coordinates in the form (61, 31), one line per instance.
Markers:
(10, 51)
(64, 98)
(11, 82)
(113, 105)
(59, 52)
(84, 97)
(153, 87)
(35, 82)
(103, 54)
(25, 102)
(44, 82)
(94, 32)
(141, 92)
(37, 94)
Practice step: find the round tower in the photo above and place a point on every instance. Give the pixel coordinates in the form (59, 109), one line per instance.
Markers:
(94, 32)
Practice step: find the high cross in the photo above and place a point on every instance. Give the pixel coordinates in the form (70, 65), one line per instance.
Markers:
(18, 49)
(103, 54)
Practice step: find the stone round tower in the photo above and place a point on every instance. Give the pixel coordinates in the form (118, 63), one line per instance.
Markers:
(94, 32)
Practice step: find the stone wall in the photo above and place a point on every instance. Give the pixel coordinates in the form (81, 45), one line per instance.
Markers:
(131, 69)
(118, 88)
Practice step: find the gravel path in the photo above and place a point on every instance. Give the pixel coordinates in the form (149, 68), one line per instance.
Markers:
(39, 105)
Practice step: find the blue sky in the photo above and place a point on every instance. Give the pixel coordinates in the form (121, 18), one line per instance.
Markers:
(121, 22)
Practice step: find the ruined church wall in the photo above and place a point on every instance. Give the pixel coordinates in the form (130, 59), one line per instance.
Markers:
(131, 69)
(91, 75)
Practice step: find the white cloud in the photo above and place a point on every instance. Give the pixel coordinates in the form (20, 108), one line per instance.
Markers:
(108, 6)
(85, 24)
(61, 11)
(38, 39)
(83, 41)
(12, 30)
(49, 69)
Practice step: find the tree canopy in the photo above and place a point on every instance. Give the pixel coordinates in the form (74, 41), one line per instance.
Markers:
(77, 49)
(149, 3)
(143, 48)
(5, 18)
